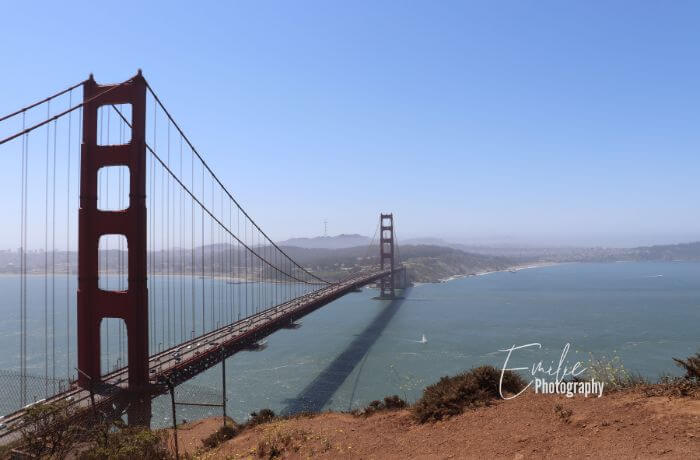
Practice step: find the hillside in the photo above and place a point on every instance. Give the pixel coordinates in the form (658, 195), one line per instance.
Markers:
(327, 242)
(424, 263)
(625, 424)
(684, 252)
(671, 252)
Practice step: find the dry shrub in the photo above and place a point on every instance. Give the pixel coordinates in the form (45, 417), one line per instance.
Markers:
(277, 440)
(673, 386)
(474, 388)
(227, 432)
(691, 366)
(394, 402)
(264, 416)
(224, 433)
(390, 403)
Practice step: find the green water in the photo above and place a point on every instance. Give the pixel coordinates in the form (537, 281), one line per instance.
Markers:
(358, 349)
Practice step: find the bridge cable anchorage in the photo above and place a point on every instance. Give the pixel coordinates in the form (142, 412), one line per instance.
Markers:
(215, 219)
(215, 177)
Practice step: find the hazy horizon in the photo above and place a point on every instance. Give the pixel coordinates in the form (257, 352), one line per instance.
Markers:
(493, 241)
(506, 240)
(565, 124)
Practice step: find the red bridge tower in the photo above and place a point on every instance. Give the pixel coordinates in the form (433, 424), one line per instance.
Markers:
(95, 304)
(386, 255)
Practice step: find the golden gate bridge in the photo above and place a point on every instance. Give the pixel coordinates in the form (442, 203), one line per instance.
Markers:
(168, 262)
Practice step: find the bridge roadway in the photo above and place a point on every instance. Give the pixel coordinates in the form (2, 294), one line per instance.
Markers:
(180, 363)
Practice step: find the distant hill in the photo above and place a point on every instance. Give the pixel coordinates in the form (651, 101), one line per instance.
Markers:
(667, 252)
(429, 241)
(683, 251)
(337, 256)
(327, 242)
(425, 263)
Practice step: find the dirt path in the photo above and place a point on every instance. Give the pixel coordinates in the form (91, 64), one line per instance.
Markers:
(621, 425)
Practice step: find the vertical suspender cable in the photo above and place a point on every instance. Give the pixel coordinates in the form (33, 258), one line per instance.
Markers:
(68, 274)
(203, 287)
(120, 286)
(46, 257)
(21, 263)
(105, 203)
(164, 300)
(53, 266)
(154, 254)
(192, 248)
(211, 256)
(167, 241)
(238, 261)
(181, 282)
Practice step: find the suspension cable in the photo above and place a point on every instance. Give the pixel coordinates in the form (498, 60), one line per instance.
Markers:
(214, 176)
(213, 217)
(59, 115)
(47, 99)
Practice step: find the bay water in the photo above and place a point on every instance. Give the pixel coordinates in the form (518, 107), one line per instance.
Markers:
(358, 349)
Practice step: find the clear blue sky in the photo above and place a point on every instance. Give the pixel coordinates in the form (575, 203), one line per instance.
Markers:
(525, 121)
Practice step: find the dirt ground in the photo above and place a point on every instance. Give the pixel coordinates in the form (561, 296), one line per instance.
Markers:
(618, 425)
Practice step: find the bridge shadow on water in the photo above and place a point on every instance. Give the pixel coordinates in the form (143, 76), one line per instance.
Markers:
(322, 388)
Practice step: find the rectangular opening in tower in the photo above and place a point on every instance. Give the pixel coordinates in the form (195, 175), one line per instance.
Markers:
(113, 263)
(114, 124)
(114, 347)
(113, 184)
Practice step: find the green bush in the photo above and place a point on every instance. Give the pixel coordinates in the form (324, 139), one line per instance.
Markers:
(49, 431)
(474, 388)
(128, 443)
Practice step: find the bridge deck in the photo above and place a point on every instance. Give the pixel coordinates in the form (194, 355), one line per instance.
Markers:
(192, 357)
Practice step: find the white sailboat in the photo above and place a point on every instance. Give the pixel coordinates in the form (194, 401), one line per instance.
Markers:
(423, 339)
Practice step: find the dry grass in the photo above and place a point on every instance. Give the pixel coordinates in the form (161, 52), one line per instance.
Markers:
(616, 377)
(277, 440)
(613, 373)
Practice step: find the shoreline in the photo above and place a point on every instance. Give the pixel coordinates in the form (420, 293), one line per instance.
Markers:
(514, 268)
